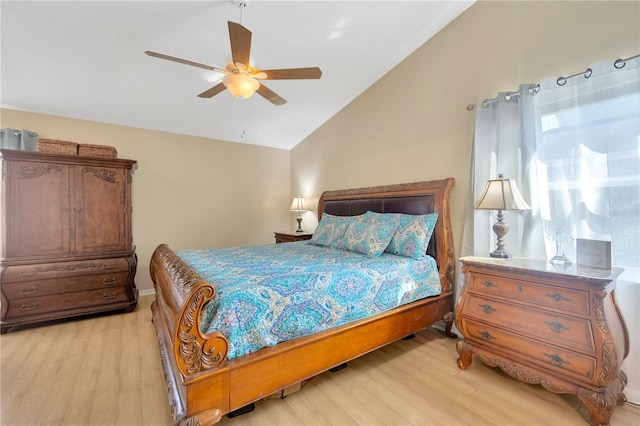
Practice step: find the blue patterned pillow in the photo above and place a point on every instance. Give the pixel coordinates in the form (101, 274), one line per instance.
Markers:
(413, 234)
(368, 237)
(331, 229)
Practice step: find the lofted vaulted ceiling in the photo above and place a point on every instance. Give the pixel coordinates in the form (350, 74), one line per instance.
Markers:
(85, 60)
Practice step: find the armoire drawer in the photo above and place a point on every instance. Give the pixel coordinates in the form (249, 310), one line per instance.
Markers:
(564, 299)
(43, 271)
(66, 301)
(563, 330)
(547, 356)
(19, 290)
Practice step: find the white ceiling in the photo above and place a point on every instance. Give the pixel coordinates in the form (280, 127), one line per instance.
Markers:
(85, 60)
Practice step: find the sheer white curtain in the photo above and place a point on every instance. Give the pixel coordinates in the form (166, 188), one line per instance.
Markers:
(504, 142)
(573, 146)
(588, 161)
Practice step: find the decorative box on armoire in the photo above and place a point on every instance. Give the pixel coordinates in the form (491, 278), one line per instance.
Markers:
(65, 238)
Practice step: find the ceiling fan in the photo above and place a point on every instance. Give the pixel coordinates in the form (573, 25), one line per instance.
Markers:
(241, 78)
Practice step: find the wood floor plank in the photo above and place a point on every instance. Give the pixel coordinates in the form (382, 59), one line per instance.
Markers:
(106, 370)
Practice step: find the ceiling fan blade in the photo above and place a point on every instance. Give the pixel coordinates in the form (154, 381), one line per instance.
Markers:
(293, 73)
(183, 61)
(270, 95)
(213, 91)
(240, 43)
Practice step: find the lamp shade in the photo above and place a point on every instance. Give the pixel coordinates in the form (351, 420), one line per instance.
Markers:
(501, 194)
(240, 85)
(297, 205)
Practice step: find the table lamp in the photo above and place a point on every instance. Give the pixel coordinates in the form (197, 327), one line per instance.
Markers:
(501, 194)
(297, 205)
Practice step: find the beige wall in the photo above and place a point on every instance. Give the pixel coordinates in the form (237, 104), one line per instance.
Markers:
(188, 192)
(413, 124)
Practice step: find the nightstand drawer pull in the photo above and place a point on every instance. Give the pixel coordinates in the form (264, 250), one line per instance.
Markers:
(556, 327)
(33, 289)
(33, 307)
(558, 297)
(488, 283)
(28, 273)
(113, 296)
(486, 336)
(108, 281)
(109, 266)
(556, 360)
(487, 309)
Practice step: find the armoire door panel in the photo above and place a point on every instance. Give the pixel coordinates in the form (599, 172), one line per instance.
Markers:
(99, 209)
(38, 218)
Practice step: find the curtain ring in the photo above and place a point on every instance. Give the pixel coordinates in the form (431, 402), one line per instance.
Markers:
(620, 62)
(588, 73)
(561, 81)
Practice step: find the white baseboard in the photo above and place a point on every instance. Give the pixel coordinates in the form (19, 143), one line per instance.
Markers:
(633, 395)
(147, 292)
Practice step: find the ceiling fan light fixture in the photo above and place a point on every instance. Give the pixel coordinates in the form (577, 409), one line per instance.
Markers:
(240, 85)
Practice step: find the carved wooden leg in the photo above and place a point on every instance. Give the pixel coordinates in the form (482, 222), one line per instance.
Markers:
(204, 418)
(448, 321)
(4, 329)
(602, 404)
(465, 355)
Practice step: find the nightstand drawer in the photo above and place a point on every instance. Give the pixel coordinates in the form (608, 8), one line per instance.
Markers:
(291, 237)
(547, 356)
(562, 330)
(514, 287)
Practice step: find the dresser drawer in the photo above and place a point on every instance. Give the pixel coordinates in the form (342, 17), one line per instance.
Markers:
(64, 269)
(548, 357)
(563, 299)
(66, 301)
(19, 290)
(563, 330)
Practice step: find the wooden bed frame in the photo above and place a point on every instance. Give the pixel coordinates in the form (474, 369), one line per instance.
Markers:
(203, 385)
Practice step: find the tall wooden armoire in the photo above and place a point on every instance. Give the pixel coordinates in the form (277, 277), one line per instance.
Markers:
(66, 246)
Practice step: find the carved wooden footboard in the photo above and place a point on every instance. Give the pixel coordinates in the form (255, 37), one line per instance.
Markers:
(203, 385)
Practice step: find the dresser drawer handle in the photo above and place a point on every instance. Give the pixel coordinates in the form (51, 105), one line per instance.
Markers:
(28, 273)
(28, 290)
(488, 283)
(33, 307)
(109, 281)
(486, 336)
(487, 309)
(111, 266)
(558, 297)
(113, 296)
(556, 360)
(556, 327)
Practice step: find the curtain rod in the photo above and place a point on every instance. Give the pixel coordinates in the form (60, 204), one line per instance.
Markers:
(561, 81)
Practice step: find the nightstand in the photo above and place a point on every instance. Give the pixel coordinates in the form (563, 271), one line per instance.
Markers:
(292, 236)
(559, 327)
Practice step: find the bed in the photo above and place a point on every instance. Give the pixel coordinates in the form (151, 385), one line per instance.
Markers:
(204, 382)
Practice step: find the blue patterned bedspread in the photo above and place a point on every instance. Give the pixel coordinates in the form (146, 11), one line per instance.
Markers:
(272, 293)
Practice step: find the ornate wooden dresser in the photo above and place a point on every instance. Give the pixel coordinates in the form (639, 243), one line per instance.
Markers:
(557, 327)
(66, 247)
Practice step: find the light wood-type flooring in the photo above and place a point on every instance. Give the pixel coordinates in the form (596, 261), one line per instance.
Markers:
(105, 370)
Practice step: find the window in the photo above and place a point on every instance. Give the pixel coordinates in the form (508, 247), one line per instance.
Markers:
(589, 166)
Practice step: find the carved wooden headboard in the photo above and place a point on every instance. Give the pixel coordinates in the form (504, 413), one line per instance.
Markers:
(410, 198)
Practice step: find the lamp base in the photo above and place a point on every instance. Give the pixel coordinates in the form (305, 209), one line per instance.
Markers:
(299, 220)
(500, 253)
(500, 228)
